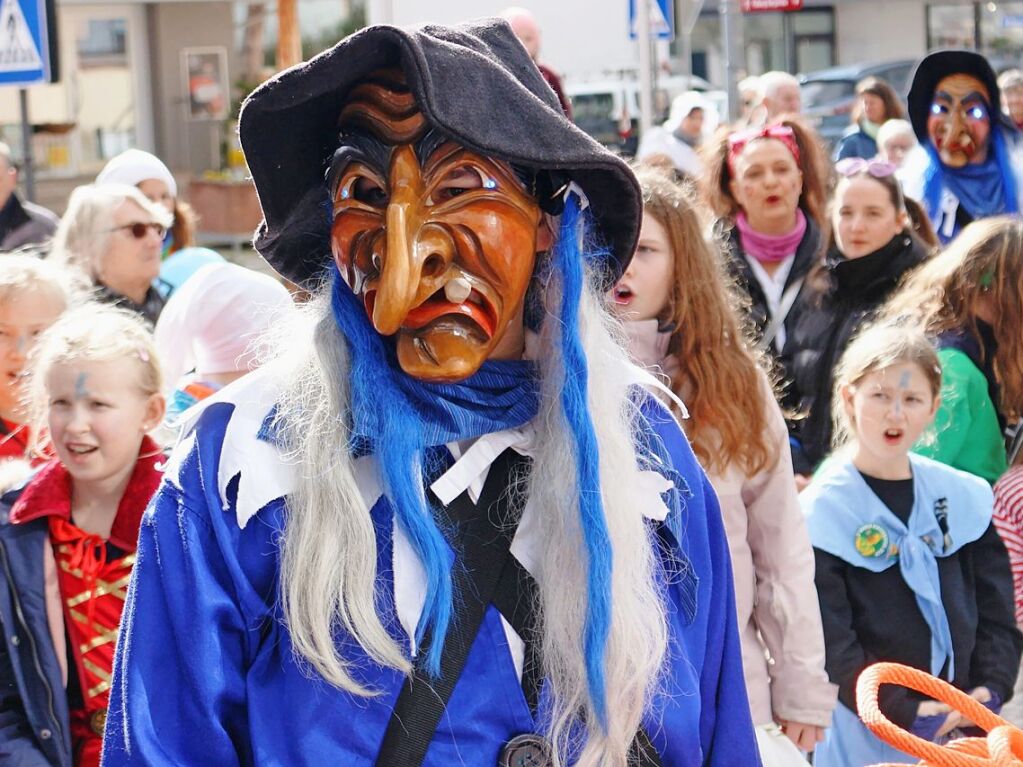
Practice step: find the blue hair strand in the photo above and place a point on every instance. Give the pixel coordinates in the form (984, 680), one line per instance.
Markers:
(568, 264)
(382, 411)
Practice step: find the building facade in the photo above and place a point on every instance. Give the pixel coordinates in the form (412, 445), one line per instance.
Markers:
(159, 74)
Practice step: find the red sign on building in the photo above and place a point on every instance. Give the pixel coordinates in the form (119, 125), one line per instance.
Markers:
(755, 6)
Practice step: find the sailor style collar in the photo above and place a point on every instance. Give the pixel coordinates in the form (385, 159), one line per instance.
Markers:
(846, 518)
(265, 472)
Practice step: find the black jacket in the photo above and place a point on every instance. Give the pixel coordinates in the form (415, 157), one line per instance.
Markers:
(22, 223)
(828, 313)
(149, 309)
(862, 607)
(759, 315)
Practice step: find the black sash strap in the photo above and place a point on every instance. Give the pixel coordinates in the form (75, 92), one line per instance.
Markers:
(484, 532)
(485, 573)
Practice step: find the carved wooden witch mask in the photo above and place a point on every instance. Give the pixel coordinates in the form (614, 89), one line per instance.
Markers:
(959, 123)
(437, 240)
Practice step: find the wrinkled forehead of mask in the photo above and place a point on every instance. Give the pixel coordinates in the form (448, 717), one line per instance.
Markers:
(961, 88)
(381, 113)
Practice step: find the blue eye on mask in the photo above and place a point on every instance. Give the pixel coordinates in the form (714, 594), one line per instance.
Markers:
(938, 109)
(977, 113)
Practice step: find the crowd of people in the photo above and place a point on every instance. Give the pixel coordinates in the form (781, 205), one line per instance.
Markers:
(779, 388)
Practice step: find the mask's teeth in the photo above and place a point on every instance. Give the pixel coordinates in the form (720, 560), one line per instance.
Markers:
(457, 290)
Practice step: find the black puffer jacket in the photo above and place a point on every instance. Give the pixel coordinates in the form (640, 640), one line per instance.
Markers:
(828, 314)
(759, 314)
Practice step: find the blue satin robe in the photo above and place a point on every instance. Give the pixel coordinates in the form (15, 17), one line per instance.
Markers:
(205, 675)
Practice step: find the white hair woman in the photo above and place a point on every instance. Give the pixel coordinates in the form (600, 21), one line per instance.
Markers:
(114, 234)
(433, 536)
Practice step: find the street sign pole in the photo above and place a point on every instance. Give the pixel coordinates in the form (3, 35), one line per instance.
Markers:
(28, 56)
(646, 100)
(731, 42)
(28, 174)
(688, 12)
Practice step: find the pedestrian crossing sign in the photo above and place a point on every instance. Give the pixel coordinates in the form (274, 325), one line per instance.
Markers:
(662, 19)
(26, 42)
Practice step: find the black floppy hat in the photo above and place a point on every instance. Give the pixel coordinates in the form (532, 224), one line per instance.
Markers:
(473, 82)
(935, 67)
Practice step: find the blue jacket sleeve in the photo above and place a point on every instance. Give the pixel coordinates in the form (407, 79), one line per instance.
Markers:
(17, 742)
(178, 694)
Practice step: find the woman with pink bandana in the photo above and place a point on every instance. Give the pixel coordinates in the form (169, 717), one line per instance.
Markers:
(767, 187)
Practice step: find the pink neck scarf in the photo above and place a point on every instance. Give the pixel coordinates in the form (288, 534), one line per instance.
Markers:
(770, 248)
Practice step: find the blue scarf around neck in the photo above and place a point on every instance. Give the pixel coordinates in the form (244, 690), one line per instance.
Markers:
(500, 395)
(980, 188)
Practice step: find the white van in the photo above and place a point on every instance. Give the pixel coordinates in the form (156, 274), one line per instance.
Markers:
(608, 110)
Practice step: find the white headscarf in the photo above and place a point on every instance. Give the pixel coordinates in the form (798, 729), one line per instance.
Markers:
(135, 166)
(212, 322)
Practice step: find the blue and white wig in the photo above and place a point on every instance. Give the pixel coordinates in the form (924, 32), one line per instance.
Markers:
(581, 486)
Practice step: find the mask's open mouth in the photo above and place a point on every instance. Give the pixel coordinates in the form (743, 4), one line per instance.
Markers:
(476, 308)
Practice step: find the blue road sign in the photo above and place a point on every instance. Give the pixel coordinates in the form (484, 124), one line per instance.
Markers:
(662, 20)
(26, 42)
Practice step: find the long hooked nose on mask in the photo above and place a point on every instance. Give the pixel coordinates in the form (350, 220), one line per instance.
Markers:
(412, 255)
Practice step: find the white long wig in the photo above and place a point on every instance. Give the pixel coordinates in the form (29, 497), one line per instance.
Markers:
(328, 567)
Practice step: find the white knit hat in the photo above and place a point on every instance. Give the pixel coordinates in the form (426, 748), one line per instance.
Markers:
(135, 166)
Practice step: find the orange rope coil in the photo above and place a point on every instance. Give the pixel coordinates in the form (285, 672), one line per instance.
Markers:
(1003, 746)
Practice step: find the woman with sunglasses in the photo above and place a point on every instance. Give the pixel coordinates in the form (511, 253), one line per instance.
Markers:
(154, 179)
(873, 246)
(767, 187)
(114, 234)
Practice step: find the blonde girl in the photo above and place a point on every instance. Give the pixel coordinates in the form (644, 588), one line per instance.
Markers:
(969, 299)
(96, 394)
(909, 566)
(33, 294)
(678, 309)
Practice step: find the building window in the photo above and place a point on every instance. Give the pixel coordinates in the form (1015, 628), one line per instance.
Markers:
(951, 26)
(1001, 33)
(793, 42)
(813, 39)
(103, 43)
(993, 28)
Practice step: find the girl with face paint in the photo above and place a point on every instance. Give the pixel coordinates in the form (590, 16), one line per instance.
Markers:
(677, 307)
(766, 185)
(69, 547)
(909, 567)
(873, 248)
(970, 300)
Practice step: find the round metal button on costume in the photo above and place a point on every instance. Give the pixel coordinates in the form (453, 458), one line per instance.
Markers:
(98, 721)
(525, 751)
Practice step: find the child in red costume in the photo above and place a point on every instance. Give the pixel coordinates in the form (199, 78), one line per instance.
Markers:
(96, 389)
(33, 294)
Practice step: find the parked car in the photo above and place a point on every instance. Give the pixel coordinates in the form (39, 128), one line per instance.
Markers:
(830, 94)
(603, 108)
